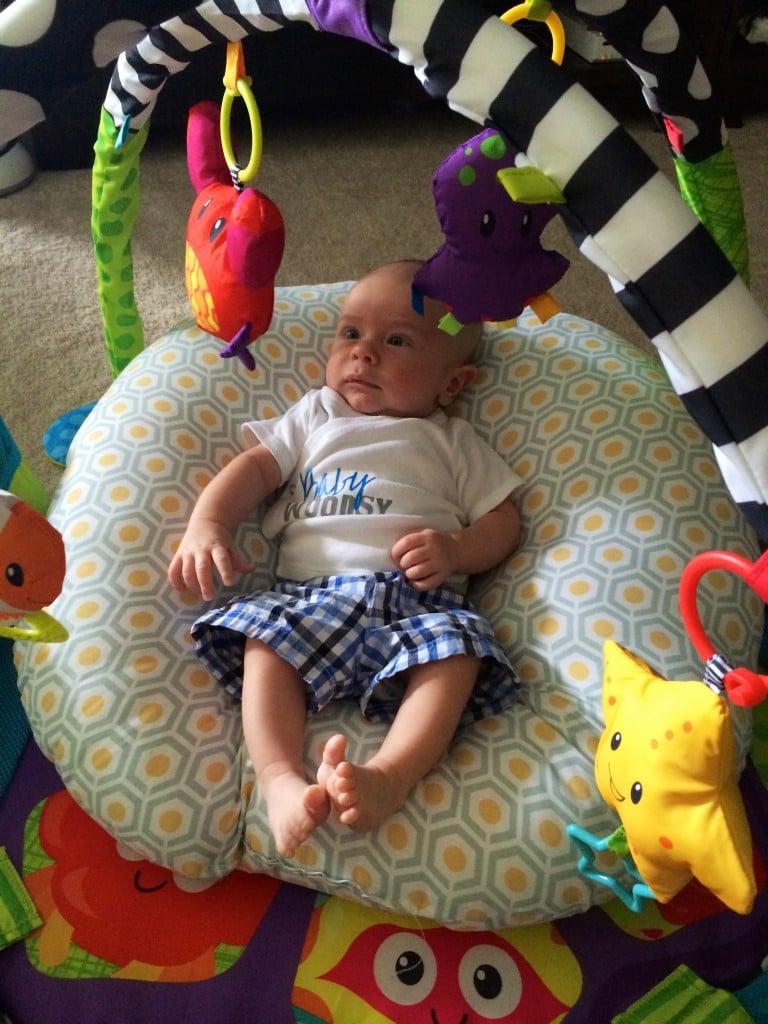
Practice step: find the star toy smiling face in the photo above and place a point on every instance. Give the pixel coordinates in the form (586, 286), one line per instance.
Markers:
(666, 763)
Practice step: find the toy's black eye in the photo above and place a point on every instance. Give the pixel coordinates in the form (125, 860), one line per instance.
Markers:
(14, 574)
(636, 793)
(487, 224)
(616, 741)
(405, 969)
(490, 982)
(218, 227)
(487, 981)
(526, 223)
(203, 208)
(409, 968)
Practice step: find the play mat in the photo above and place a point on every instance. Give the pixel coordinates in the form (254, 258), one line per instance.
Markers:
(139, 881)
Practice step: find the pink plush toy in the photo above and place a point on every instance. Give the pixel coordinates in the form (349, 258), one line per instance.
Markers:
(235, 241)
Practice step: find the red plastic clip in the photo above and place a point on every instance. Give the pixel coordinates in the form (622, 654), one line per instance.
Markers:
(744, 687)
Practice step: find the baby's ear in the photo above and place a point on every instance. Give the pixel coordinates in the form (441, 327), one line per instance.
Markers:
(461, 378)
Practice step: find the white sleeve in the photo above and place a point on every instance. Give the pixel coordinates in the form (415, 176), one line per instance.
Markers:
(284, 435)
(483, 477)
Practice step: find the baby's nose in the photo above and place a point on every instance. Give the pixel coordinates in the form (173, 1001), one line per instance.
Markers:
(365, 350)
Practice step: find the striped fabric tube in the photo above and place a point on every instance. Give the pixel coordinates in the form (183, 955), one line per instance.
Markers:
(623, 213)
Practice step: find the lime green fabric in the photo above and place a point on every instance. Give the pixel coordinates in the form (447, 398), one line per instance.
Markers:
(683, 998)
(115, 198)
(712, 190)
(18, 914)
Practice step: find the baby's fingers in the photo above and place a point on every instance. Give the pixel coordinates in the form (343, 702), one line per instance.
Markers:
(200, 577)
(192, 571)
(176, 573)
(404, 546)
(240, 564)
(228, 563)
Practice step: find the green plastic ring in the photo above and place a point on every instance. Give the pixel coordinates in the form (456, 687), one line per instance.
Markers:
(254, 119)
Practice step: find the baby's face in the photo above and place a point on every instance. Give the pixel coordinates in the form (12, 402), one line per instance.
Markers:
(386, 359)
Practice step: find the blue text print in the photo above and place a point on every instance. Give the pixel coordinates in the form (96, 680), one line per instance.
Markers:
(334, 483)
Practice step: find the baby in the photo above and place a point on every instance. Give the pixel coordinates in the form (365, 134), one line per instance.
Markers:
(386, 506)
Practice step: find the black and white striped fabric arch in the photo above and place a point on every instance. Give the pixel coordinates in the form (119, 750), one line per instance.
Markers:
(674, 83)
(623, 213)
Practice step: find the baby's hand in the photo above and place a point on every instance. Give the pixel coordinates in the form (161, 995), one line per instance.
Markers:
(205, 545)
(426, 557)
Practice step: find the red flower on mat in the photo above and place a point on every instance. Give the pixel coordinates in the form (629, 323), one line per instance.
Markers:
(132, 913)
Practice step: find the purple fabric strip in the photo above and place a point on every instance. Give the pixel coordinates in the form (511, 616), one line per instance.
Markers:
(344, 18)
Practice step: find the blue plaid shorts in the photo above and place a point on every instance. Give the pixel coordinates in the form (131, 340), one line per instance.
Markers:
(354, 636)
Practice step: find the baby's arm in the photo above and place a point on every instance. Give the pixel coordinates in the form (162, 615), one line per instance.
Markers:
(228, 499)
(429, 557)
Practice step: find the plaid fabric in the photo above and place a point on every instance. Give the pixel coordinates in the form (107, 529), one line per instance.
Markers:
(352, 636)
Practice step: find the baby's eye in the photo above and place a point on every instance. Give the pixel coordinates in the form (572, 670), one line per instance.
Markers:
(350, 333)
(398, 341)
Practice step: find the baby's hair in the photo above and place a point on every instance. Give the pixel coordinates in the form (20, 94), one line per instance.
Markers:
(468, 338)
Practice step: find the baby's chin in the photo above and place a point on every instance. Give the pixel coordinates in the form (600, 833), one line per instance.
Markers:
(371, 401)
(368, 401)
(381, 409)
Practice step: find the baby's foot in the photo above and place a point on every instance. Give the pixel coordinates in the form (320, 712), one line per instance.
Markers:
(361, 795)
(294, 808)
(334, 752)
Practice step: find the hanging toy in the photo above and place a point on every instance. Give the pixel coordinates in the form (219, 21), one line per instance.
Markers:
(540, 10)
(492, 207)
(32, 565)
(491, 212)
(235, 234)
(743, 686)
(667, 764)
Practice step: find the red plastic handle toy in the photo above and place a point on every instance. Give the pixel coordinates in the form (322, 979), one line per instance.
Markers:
(744, 687)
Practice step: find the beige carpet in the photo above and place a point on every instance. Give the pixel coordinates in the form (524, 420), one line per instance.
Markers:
(353, 191)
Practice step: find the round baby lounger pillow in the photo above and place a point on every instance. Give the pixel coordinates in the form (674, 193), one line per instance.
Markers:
(622, 490)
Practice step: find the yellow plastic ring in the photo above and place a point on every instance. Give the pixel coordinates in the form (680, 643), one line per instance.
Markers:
(552, 21)
(245, 92)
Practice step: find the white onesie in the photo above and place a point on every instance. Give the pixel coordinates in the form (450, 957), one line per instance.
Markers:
(355, 484)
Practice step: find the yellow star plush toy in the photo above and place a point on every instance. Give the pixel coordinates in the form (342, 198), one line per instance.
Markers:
(666, 763)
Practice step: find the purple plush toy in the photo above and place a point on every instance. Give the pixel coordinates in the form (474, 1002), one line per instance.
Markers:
(491, 264)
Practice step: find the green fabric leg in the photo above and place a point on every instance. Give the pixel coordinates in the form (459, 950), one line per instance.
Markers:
(712, 190)
(115, 197)
(683, 998)
(18, 914)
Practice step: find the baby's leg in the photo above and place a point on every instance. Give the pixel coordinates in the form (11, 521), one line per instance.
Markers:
(435, 697)
(274, 721)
